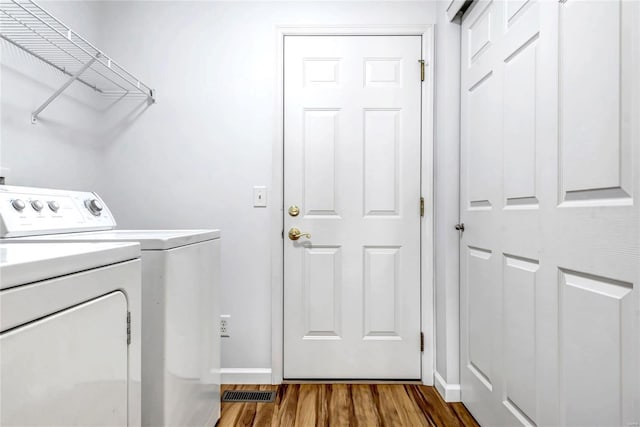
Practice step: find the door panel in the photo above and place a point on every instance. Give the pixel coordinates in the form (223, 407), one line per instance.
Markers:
(320, 132)
(520, 347)
(352, 166)
(594, 311)
(590, 138)
(322, 292)
(381, 169)
(550, 255)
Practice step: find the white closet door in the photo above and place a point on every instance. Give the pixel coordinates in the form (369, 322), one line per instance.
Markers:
(550, 259)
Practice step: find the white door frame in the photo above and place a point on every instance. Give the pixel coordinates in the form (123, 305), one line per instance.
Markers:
(427, 184)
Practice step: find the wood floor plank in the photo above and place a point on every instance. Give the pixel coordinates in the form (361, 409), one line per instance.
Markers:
(341, 412)
(365, 409)
(458, 409)
(307, 410)
(387, 410)
(434, 409)
(359, 405)
(231, 412)
(409, 411)
(463, 415)
(322, 404)
(287, 398)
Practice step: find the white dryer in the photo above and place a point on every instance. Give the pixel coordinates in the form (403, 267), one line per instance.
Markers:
(70, 334)
(180, 296)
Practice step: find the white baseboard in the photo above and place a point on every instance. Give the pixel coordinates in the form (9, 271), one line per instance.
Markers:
(246, 375)
(449, 392)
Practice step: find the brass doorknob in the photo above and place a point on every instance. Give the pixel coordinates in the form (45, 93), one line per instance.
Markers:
(295, 234)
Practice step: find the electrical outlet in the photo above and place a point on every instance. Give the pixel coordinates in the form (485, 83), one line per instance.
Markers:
(225, 330)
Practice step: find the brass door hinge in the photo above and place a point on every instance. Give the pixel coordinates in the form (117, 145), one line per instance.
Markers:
(421, 342)
(421, 206)
(421, 61)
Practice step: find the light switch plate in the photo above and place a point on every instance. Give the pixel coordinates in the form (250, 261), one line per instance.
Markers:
(259, 197)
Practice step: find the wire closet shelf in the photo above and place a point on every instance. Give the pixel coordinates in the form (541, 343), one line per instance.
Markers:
(26, 25)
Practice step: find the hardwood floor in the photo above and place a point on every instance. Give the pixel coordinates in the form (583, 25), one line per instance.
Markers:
(365, 405)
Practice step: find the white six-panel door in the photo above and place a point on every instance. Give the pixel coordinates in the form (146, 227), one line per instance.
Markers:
(352, 167)
(550, 259)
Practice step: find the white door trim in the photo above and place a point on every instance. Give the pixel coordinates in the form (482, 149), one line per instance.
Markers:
(427, 184)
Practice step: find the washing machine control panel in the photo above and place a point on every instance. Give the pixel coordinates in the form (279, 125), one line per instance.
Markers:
(26, 211)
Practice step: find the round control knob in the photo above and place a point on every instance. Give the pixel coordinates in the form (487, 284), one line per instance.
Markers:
(94, 206)
(53, 205)
(37, 205)
(18, 204)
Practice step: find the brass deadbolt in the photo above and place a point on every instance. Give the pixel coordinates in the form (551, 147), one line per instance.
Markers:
(294, 210)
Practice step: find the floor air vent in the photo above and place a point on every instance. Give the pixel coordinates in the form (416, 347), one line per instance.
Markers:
(248, 396)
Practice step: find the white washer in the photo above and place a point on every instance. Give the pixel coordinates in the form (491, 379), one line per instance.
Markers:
(70, 318)
(180, 296)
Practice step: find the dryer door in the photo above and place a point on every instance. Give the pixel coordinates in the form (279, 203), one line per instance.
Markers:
(69, 368)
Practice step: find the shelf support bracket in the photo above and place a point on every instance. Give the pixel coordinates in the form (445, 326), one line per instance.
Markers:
(36, 113)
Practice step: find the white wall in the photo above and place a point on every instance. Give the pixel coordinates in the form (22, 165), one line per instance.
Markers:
(62, 150)
(192, 159)
(447, 170)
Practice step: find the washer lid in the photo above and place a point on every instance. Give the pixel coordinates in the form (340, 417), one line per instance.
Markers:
(32, 262)
(148, 239)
